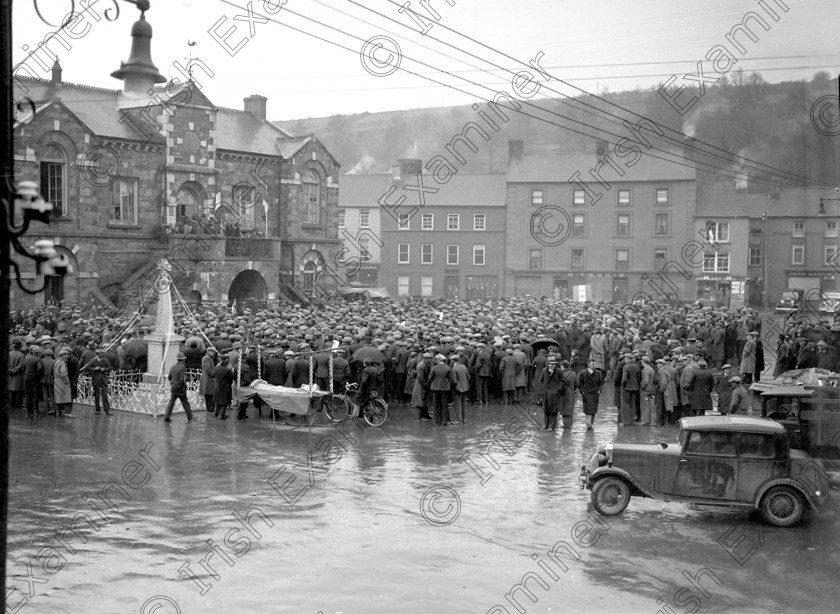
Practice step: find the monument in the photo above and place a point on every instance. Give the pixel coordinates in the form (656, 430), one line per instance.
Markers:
(164, 343)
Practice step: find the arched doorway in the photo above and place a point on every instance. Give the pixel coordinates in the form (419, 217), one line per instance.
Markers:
(309, 271)
(248, 289)
(61, 288)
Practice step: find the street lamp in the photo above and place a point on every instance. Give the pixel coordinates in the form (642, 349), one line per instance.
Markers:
(20, 204)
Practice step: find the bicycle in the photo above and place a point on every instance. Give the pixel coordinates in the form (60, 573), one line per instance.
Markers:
(338, 406)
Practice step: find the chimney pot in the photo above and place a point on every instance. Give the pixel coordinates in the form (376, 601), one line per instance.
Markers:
(256, 105)
(516, 149)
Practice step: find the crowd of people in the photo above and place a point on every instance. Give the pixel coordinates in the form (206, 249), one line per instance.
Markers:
(438, 356)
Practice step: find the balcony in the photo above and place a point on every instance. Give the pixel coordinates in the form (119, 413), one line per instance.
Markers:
(250, 248)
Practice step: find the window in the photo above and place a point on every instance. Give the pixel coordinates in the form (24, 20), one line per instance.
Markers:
(312, 197)
(717, 232)
(245, 199)
(426, 285)
(624, 198)
(578, 225)
(797, 254)
(661, 224)
(755, 236)
(578, 197)
(364, 249)
(828, 253)
(660, 257)
(427, 221)
(479, 221)
(755, 256)
(403, 221)
(402, 253)
(711, 443)
(536, 197)
(54, 179)
(716, 262)
(125, 201)
(754, 445)
(452, 254)
(622, 225)
(622, 260)
(186, 204)
(478, 255)
(535, 259)
(577, 258)
(402, 285)
(662, 196)
(364, 218)
(453, 221)
(342, 218)
(426, 253)
(831, 229)
(799, 229)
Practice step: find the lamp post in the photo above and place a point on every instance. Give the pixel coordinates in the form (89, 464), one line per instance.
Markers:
(21, 204)
(764, 260)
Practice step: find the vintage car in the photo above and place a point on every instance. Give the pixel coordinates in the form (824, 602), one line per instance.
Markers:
(789, 302)
(733, 461)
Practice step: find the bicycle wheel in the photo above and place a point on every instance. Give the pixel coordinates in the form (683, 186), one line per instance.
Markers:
(376, 412)
(336, 407)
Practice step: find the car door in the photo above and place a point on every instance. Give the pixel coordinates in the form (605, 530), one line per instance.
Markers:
(707, 468)
(760, 458)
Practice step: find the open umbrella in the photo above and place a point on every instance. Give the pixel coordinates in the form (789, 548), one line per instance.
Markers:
(367, 351)
(543, 343)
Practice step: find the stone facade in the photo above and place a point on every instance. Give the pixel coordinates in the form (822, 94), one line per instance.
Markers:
(130, 175)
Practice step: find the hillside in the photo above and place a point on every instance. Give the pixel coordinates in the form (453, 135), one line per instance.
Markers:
(767, 123)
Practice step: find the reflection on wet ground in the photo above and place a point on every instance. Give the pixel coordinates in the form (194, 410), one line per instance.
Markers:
(253, 517)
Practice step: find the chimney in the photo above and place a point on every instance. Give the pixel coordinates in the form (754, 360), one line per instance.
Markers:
(406, 168)
(516, 149)
(139, 74)
(256, 105)
(602, 149)
(56, 72)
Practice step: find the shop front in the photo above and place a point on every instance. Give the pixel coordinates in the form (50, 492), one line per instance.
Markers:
(722, 291)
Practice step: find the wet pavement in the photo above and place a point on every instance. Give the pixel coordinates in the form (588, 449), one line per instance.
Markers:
(405, 518)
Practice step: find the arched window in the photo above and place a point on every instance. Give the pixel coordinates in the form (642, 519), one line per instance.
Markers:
(312, 197)
(186, 205)
(245, 200)
(54, 178)
(309, 271)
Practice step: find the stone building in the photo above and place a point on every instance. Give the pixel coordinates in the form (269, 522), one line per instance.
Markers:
(243, 210)
(594, 227)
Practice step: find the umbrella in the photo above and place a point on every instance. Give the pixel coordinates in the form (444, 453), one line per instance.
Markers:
(136, 348)
(543, 343)
(373, 353)
(197, 341)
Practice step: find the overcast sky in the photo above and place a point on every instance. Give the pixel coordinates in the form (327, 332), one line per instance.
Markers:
(596, 44)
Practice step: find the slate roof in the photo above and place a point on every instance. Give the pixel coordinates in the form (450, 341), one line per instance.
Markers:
(236, 130)
(461, 190)
(553, 168)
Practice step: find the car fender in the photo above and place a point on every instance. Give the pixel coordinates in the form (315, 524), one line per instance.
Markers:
(783, 482)
(637, 489)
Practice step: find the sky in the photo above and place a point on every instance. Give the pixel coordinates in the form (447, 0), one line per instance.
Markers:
(471, 48)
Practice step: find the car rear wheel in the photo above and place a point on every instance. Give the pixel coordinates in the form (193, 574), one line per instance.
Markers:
(610, 496)
(782, 506)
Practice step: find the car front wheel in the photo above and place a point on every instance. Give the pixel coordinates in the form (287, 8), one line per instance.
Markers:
(610, 496)
(782, 506)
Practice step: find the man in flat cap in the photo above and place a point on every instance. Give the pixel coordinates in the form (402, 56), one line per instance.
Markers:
(178, 387)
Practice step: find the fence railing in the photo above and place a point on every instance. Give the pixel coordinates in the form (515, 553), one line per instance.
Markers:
(128, 392)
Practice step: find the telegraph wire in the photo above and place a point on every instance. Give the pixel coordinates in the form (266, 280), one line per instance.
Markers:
(791, 175)
(692, 163)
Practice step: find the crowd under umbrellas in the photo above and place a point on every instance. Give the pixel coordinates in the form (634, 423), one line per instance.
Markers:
(653, 363)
